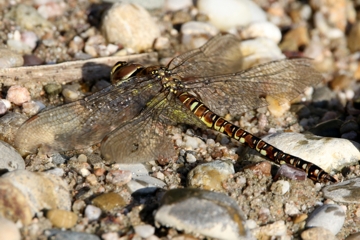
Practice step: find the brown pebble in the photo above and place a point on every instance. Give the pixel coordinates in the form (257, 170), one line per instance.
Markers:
(62, 218)
(99, 171)
(109, 201)
(263, 168)
(300, 218)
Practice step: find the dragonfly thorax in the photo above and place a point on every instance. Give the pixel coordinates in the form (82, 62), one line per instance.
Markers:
(169, 81)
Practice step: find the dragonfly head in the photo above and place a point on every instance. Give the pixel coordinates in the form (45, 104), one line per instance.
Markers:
(124, 70)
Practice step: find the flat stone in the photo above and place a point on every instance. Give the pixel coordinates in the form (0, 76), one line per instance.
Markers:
(204, 212)
(331, 154)
(328, 216)
(344, 192)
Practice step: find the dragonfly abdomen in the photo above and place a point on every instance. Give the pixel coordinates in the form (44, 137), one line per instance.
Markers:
(212, 120)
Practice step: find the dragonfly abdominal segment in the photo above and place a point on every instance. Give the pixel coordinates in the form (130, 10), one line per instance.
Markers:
(277, 156)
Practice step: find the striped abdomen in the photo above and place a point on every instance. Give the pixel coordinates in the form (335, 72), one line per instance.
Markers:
(277, 156)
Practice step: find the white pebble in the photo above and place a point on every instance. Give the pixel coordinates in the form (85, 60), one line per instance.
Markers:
(9, 230)
(262, 29)
(144, 231)
(190, 158)
(175, 5)
(84, 172)
(92, 213)
(228, 14)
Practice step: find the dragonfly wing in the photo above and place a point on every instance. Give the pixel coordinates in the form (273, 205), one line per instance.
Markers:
(140, 140)
(245, 90)
(85, 122)
(220, 55)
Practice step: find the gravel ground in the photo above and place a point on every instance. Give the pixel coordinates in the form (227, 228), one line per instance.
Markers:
(327, 31)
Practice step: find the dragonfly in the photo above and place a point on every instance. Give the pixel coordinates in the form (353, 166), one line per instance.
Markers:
(132, 116)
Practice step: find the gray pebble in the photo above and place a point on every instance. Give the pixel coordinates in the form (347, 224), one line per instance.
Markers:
(57, 234)
(57, 158)
(204, 212)
(344, 192)
(329, 216)
(10, 159)
(317, 233)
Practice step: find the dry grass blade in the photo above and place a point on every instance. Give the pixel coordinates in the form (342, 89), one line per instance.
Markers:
(92, 69)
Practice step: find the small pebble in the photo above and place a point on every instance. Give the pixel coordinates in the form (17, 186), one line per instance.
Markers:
(209, 176)
(212, 214)
(175, 5)
(118, 177)
(196, 34)
(262, 168)
(229, 14)
(328, 216)
(300, 218)
(259, 50)
(27, 17)
(291, 172)
(130, 25)
(262, 29)
(190, 158)
(92, 179)
(18, 95)
(9, 230)
(277, 229)
(9, 58)
(92, 213)
(144, 231)
(58, 234)
(144, 184)
(109, 201)
(31, 108)
(3, 108)
(61, 218)
(280, 187)
(291, 209)
(318, 233)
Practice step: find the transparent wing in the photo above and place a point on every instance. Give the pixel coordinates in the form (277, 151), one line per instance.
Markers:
(142, 139)
(220, 55)
(245, 90)
(85, 122)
